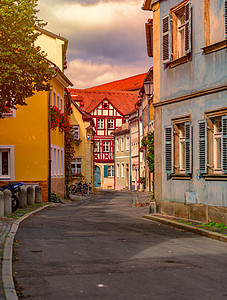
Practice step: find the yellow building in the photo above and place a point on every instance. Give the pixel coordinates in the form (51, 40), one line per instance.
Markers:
(83, 160)
(27, 146)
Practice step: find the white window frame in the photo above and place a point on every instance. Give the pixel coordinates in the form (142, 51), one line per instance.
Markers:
(55, 162)
(127, 143)
(110, 123)
(182, 147)
(76, 129)
(77, 161)
(11, 161)
(118, 170)
(54, 97)
(110, 171)
(117, 144)
(105, 146)
(62, 162)
(59, 162)
(100, 124)
(217, 136)
(122, 170)
(58, 101)
(11, 114)
(122, 144)
(61, 105)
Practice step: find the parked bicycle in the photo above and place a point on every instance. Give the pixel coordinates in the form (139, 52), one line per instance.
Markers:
(80, 188)
(14, 188)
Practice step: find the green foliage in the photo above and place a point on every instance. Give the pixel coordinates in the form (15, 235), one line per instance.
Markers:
(69, 142)
(148, 144)
(23, 67)
(55, 198)
(215, 225)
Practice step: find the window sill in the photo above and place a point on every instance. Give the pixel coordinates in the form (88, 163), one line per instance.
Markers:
(176, 62)
(181, 176)
(215, 177)
(215, 47)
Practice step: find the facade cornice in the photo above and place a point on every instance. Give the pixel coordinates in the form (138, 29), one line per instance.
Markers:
(191, 96)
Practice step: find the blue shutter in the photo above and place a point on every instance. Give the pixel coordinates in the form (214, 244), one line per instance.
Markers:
(203, 146)
(188, 34)
(224, 144)
(105, 171)
(169, 149)
(166, 39)
(188, 148)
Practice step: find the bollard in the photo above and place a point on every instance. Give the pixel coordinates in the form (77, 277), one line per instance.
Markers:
(30, 195)
(7, 202)
(38, 194)
(1, 204)
(23, 198)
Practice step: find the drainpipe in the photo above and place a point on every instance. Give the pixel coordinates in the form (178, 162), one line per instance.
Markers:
(130, 160)
(148, 105)
(49, 140)
(144, 158)
(138, 137)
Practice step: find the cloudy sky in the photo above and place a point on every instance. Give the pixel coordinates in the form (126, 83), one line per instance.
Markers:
(106, 38)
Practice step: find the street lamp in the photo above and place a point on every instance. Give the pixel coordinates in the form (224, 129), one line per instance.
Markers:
(148, 88)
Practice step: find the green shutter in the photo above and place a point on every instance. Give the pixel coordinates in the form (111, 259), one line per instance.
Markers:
(203, 146)
(105, 171)
(188, 147)
(169, 149)
(166, 39)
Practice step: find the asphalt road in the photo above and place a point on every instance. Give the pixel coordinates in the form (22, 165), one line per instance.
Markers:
(102, 249)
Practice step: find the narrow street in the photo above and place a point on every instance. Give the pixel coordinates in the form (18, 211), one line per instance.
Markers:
(101, 248)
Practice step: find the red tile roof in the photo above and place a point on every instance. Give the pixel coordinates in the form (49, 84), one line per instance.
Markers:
(132, 83)
(123, 101)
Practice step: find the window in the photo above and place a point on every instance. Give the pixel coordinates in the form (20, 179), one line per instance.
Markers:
(61, 107)
(62, 163)
(96, 147)
(76, 129)
(213, 143)
(117, 145)
(59, 163)
(176, 33)
(55, 162)
(122, 170)
(110, 171)
(6, 162)
(76, 166)
(106, 146)
(100, 123)
(178, 146)
(58, 102)
(122, 144)
(118, 170)
(127, 143)
(54, 100)
(110, 124)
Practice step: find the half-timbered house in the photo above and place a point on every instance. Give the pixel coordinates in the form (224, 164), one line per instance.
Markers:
(108, 109)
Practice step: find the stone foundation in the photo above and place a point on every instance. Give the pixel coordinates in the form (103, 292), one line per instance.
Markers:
(58, 186)
(198, 212)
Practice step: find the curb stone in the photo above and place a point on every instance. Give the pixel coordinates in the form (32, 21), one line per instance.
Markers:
(7, 276)
(193, 229)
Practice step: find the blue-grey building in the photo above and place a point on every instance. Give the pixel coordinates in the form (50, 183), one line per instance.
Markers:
(187, 40)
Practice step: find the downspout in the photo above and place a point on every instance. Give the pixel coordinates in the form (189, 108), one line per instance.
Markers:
(49, 139)
(138, 138)
(144, 157)
(148, 105)
(130, 160)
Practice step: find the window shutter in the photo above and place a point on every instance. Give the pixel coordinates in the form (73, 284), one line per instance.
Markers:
(203, 146)
(224, 144)
(166, 39)
(188, 148)
(225, 16)
(105, 171)
(149, 38)
(169, 149)
(187, 46)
